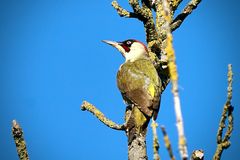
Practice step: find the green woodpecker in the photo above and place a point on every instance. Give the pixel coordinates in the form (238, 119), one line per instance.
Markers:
(138, 82)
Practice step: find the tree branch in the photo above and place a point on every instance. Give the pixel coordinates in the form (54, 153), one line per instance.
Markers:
(91, 108)
(174, 78)
(135, 6)
(123, 12)
(224, 142)
(186, 11)
(167, 143)
(174, 4)
(162, 33)
(197, 155)
(17, 133)
(154, 126)
(160, 20)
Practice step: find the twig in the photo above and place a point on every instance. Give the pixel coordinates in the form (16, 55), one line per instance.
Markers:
(197, 155)
(154, 126)
(224, 142)
(135, 6)
(91, 108)
(123, 12)
(167, 143)
(174, 78)
(17, 133)
(230, 81)
(174, 4)
(186, 11)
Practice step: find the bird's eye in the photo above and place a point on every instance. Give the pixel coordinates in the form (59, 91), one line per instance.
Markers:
(129, 42)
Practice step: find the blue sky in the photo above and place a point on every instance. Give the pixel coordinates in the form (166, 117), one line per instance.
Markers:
(52, 58)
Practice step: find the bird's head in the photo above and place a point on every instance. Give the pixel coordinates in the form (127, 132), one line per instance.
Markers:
(130, 49)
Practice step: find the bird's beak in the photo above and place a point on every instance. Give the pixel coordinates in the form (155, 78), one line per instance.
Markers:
(112, 43)
(116, 45)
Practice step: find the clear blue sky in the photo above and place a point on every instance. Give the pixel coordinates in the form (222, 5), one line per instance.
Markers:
(52, 58)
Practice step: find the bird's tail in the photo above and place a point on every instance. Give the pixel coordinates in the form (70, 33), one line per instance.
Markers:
(136, 124)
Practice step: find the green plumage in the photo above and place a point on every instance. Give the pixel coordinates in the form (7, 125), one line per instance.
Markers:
(140, 85)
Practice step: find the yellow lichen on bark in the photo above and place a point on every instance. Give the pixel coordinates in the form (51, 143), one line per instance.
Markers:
(171, 59)
(156, 146)
(169, 51)
(122, 12)
(167, 143)
(91, 108)
(17, 133)
(175, 3)
(223, 141)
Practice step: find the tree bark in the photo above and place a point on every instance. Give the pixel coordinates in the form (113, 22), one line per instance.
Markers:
(137, 149)
(136, 131)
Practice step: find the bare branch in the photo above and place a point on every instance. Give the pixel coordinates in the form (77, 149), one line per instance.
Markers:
(224, 142)
(154, 126)
(169, 51)
(17, 133)
(135, 6)
(230, 81)
(186, 11)
(91, 108)
(197, 155)
(167, 143)
(123, 12)
(174, 4)
(153, 40)
(160, 20)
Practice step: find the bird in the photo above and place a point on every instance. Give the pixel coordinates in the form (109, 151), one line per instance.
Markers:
(139, 84)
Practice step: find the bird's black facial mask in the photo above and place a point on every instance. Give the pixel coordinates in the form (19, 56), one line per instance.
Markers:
(126, 44)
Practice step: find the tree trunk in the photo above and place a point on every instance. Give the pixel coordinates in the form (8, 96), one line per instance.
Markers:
(136, 131)
(137, 148)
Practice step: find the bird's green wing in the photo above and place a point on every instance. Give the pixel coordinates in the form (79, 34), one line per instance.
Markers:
(139, 84)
